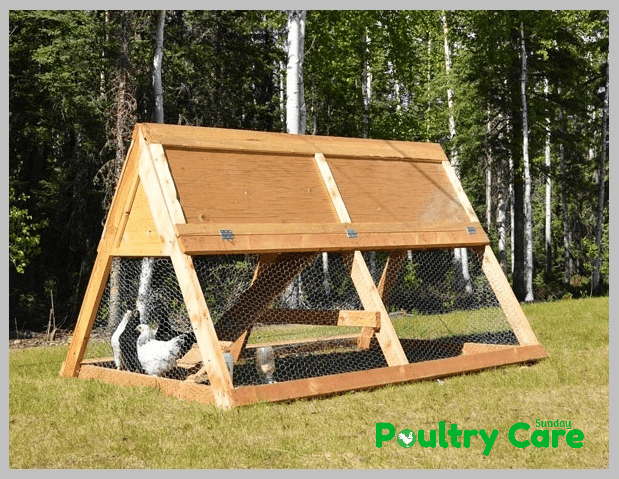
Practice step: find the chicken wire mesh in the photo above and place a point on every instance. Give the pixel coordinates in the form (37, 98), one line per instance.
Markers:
(284, 310)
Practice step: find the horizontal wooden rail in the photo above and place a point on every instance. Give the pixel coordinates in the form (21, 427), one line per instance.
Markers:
(196, 239)
(214, 229)
(324, 385)
(251, 142)
(369, 319)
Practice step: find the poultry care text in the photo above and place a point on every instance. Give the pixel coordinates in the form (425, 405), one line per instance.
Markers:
(519, 435)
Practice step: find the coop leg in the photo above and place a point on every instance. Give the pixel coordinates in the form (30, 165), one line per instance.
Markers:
(86, 318)
(385, 286)
(505, 295)
(372, 301)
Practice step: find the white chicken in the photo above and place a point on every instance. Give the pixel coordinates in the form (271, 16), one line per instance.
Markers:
(158, 357)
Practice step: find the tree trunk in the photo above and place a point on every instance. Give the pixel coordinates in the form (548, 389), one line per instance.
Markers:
(122, 119)
(294, 73)
(528, 211)
(548, 212)
(503, 198)
(460, 254)
(366, 84)
(567, 255)
(148, 264)
(157, 66)
(295, 107)
(366, 93)
(595, 283)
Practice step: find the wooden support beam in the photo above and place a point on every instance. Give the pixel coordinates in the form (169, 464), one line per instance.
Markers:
(371, 300)
(385, 285)
(187, 390)
(274, 275)
(369, 319)
(329, 242)
(464, 200)
(88, 313)
(506, 297)
(286, 145)
(324, 385)
(112, 232)
(165, 208)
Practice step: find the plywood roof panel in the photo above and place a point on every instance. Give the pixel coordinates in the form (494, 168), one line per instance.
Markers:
(381, 191)
(220, 187)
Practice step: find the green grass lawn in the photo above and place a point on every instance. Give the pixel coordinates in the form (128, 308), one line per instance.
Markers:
(56, 422)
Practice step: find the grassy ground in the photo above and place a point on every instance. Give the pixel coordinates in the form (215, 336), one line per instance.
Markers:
(70, 423)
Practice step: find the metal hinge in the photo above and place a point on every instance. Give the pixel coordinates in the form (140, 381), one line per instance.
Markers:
(351, 233)
(471, 230)
(226, 235)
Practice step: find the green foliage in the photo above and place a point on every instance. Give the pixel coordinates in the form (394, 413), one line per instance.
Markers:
(24, 239)
(227, 68)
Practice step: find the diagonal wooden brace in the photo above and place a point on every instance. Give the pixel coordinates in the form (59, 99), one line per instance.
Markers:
(385, 286)
(274, 274)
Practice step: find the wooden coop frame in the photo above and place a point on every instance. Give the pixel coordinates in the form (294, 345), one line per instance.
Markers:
(292, 195)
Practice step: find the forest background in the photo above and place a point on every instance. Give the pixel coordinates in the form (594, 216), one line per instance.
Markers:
(518, 100)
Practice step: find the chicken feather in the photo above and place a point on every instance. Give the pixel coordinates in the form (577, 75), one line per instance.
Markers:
(158, 357)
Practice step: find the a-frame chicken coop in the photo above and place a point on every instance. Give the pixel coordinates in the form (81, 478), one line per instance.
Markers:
(316, 264)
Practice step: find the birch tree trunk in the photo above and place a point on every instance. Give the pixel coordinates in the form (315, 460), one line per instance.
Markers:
(567, 254)
(528, 211)
(503, 192)
(488, 179)
(157, 67)
(148, 263)
(601, 192)
(512, 214)
(295, 107)
(366, 93)
(295, 103)
(366, 84)
(548, 212)
(461, 262)
(121, 123)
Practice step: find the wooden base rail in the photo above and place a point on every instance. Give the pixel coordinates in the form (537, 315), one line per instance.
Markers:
(324, 385)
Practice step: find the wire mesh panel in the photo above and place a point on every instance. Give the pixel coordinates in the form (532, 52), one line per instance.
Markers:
(439, 300)
(280, 317)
